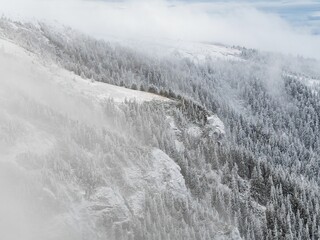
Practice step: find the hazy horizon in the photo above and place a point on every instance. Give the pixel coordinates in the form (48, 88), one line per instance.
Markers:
(255, 24)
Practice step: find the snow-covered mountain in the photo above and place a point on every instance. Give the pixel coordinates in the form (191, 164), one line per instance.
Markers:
(154, 139)
(76, 162)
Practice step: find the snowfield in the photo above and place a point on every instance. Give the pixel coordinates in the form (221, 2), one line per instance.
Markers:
(67, 81)
(195, 51)
(103, 91)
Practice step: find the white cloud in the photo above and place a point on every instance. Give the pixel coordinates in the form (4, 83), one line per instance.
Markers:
(230, 23)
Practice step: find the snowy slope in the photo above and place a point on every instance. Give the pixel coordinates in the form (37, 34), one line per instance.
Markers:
(74, 165)
(195, 51)
(56, 88)
(78, 166)
(309, 81)
(71, 83)
(45, 109)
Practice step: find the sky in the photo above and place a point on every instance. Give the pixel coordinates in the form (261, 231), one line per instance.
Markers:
(290, 27)
(299, 13)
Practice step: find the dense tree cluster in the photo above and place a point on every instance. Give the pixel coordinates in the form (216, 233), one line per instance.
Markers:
(263, 178)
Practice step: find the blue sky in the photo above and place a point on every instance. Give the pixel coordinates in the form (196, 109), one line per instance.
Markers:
(303, 14)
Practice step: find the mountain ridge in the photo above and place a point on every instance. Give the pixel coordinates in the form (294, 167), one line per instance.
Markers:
(243, 136)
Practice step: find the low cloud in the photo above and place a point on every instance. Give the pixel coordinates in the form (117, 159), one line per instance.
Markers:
(234, 23)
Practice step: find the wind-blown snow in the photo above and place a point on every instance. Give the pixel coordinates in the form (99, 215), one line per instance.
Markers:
(34, 96)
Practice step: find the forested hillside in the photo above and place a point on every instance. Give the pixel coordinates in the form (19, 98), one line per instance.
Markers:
(243, 133)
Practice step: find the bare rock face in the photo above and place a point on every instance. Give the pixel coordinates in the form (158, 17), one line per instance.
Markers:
(215, 127)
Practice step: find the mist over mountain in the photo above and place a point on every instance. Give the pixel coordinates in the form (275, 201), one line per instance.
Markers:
(279, 26)
(180, 124)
